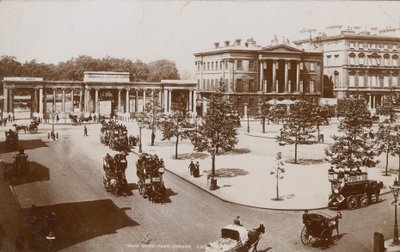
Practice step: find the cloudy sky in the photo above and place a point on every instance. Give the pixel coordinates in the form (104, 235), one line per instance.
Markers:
(53, 31)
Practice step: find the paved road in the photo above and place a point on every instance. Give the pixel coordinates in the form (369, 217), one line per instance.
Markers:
(66, 179)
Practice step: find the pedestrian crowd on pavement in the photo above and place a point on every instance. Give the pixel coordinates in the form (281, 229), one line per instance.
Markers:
(194, 169)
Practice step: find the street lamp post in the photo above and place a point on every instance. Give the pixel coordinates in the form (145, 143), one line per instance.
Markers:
(213, 184)
(395, 190)
(248, 121)
(2, 107)
(140, 124)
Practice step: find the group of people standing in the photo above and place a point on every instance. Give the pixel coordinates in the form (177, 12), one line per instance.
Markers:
(194, 169)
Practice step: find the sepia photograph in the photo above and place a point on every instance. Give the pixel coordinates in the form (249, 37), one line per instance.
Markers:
(215, 126)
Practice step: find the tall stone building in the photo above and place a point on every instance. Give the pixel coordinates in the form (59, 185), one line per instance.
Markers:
(248, 73)
(358, 62)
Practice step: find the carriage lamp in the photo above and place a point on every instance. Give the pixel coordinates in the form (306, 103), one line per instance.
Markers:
(395, 188)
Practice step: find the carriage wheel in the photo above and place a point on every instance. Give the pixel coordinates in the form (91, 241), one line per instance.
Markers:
(140, 188)
(327, 234)
(352, 202)
(33, 130)
(364, 201)
(305, 237)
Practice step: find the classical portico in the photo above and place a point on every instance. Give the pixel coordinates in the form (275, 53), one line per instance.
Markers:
(127, 98)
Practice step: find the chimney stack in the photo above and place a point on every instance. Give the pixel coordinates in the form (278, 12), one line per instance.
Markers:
(216, 44)
(227, 43)
(237, 42)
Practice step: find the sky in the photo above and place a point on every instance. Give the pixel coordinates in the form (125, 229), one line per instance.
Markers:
(54, 31)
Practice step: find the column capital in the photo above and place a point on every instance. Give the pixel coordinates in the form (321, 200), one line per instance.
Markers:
(127, 89)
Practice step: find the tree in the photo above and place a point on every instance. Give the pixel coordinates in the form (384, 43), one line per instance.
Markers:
(278, 171)
(175, 123)
(163, 69)
(298, 128)
(218, 129)
(152, 117)
(387, 108)
(354, 148)
(388, 141)
(319, 116)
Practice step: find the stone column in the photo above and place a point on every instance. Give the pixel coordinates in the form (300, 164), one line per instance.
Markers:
(54, 101)
(80, 100)
(5, 101)
(370, 101)
(204, 106)
(169, 99)
(72, 100)
(286, 77)
(194, 102)
(160, 97)
(165, 99)
(261, 75)
(152, 95)
(63, 101)
(44, 101)
(127, 110)
(96, 101)
(297, 76)
(40, 100)
(119, 100)
(144, 98)
(11, 100)
(136, 100)
(190, 100)
(274, 77)
(34, 99)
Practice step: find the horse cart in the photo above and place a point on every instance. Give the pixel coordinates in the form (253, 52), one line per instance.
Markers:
(19, 168)
(236, 238)
(150, 170)
(319, 226)
(352, 189)
(114, 178)
(33, 127)
(115, 136)
(11, 138)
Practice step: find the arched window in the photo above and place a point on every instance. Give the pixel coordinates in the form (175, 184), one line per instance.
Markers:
(352, 57)
(395, 60)
(361, 59)
(386, 58)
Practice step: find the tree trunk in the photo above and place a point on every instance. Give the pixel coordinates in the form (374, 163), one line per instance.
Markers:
(387, 160)
(213, 165)
(399, 169)
(176, 147)
(318, 131)
(277, 185)
(152, 137)
(263, 125)
(295, 152)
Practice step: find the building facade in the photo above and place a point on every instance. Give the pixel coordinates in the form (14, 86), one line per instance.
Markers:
(249, 73)
(363, 63)
(125, 98)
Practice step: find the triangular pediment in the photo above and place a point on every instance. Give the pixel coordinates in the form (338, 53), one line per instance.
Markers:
(281, 48)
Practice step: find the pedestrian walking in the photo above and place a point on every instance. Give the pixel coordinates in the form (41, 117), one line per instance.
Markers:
(57, 118)
(94, 118)
(196, 172)
(5, 122)
(9, 117)
(191, 168)
(84, 131)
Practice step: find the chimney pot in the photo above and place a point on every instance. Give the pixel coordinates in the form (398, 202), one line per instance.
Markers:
(237, 42)
(216, 44)
(227, 43)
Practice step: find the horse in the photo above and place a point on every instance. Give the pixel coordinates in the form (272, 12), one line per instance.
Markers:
(85, 119)
(254, 237)
(74, 118)
(20, 127)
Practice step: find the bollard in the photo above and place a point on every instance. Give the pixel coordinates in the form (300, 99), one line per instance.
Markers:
(379, 241)
(56, 135)
(48, 135)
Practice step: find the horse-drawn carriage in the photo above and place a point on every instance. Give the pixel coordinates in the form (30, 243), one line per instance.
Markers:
(11, 138)
(319, 226)
(20, 166)
(73, 118)
(115, 136)
(352, 189)
(236, 238)
(150, 170)
(114, 178)
(32, 127)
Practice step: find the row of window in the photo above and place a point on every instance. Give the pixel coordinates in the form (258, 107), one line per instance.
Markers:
(223, 65)
(373, 61)
(373, 46)
(372, 81)
(251, 86)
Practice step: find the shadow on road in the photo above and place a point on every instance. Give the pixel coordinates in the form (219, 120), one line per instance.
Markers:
(235, 151)
(229, 172)
(73, 223)
(26, 144)
(193, 155)
(326, 245)
(37, 172)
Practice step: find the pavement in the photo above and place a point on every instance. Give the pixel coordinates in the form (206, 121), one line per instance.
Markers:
(244, 174)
